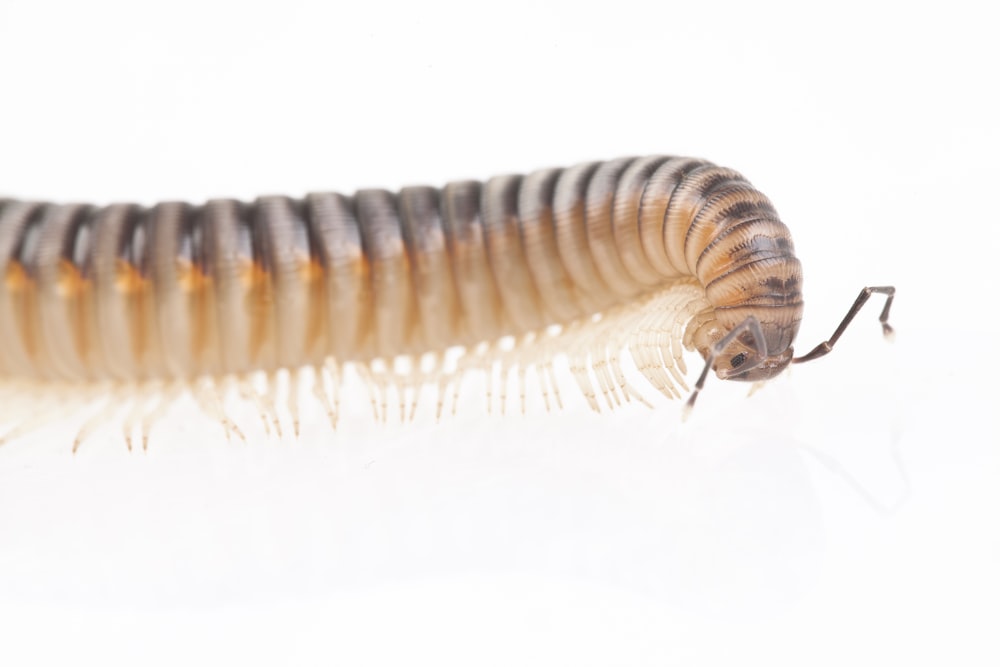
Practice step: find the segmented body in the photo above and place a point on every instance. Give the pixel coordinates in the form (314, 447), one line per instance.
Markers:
(130, 293)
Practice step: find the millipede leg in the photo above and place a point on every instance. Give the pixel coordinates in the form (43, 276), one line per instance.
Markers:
(750, 324)
(319, 390)
(827, 345)
(294, 378)
(163, 402)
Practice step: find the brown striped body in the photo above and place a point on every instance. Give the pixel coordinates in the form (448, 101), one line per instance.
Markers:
(176, 291)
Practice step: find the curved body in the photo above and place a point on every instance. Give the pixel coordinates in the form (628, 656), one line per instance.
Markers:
(177, 291)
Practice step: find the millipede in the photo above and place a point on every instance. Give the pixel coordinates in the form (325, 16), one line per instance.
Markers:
(121, 308)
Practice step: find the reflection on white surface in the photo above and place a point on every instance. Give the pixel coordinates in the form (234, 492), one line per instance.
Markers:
(775, 513)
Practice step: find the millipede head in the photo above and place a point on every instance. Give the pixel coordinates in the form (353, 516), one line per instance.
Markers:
(749, 351)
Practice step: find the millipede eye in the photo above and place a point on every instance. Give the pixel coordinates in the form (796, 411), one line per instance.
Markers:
(738, 360)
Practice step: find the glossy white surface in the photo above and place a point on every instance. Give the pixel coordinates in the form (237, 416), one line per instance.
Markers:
(845, 514)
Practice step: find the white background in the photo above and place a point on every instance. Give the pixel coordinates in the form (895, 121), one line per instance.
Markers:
(846, 514)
